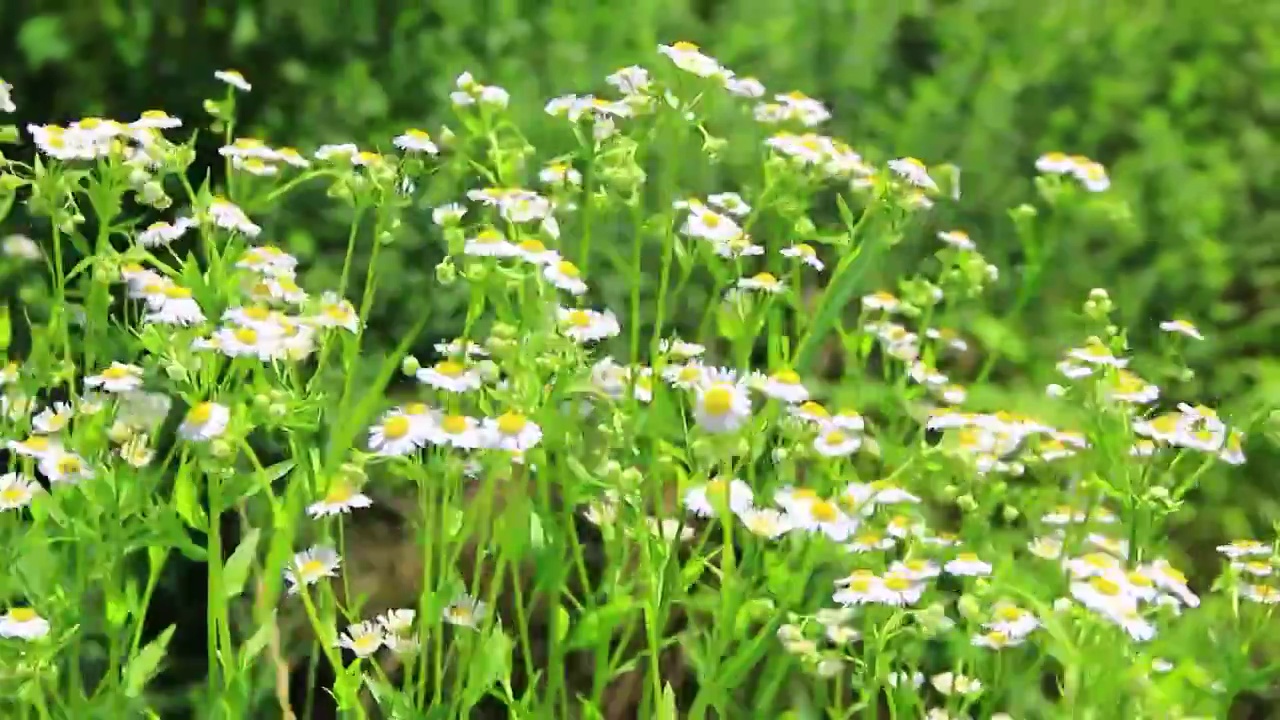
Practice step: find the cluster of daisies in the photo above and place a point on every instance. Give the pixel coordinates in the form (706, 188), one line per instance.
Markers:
(1089, 173)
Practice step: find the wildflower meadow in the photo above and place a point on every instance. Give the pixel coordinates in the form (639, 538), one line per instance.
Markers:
(748, 473)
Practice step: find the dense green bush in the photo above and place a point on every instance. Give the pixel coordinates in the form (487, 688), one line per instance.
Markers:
(1177, 98)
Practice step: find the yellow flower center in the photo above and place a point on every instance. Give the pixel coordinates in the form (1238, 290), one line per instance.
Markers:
(116, 372)
(454, 424)
(967, 557)
(417, 134)
(396, 427)
(824, 511)
(511, 423)
(449, 368)
(812, 408)
(787, 377)
(718, 400)
(897, 583)
(765, 278)
(1009, 614)
(22, 614)
(37, 443)
(489, 236)
(175, 292)
(568, 269)
(997, 638)
(1139, 579)
(869, 538)
(247, 336)
(366, 642)
(69, 465)
(416, 408)
(311, 569)
(805, 250)
(533, 246)
(860, 584)
(579, 318)
(1105, 586)
(684, 46)
(200, 414)
(711, 220)
(338, 494)
(835, 437)
(13, 493)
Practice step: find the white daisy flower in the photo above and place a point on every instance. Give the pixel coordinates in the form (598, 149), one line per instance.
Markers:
(534, 251)
(1244, 548)
(585, 325)
(415, 140)
(159, 234)
(883, 301)
(1181, 327)
(363, 638)
(24, 623)
(336, 312)
(397, 434)
(784, 385)
(117, 378)
(450, 376)
(747, 87)
(691, 59)
(566, 276)
(397, 621)
(708, 500)
(489, 243)
(16, 491)
(268, 260)
(822, 516)
(234, 79)
(558, 173)
(1012, 621)
(721, 407)
(765, 522)
(6, 98)
(968, 564)
(20, 247)
(957, 239)
(311, 566)
(459, 431)
(465, 611)
(1055, 162)
(173, 305)
(764, 282)
(860, 588)
(914, 172)
(229, 216)
(805, 254)
(834, 442)
(511, 431)
(64, 467)
(53, 419)
(205, 421)
(870, 542)
(707, 224)
(730, 202)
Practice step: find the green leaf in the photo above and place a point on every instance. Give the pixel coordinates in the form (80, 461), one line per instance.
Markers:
(490, 665)
(237, 570)
(187, 501)
(6, 328)
(143, 666)
(256, 642)
(43, 40)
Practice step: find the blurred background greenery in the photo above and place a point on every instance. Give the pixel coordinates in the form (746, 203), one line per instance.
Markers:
(1179, 98)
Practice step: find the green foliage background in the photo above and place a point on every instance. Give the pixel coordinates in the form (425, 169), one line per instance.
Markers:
(1179, 98)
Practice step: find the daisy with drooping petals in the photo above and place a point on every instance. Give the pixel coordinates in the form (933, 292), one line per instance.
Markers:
(117, 378)
(205, 421)
(363, 638)
(465, 611)
(311, 566)
(341, 498)
(719, 495)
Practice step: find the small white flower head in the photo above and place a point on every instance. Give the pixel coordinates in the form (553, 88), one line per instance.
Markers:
(416, 141)
(805, 254)
(836, 442)
(566, 276)
(763, 282)
(64, 467)
(159, 234)
(950, 683)
(17, 491)
(765, 522)
(914, 569)
(534, 251)
(862, 587)
(1237, 549)
(958, 239)
(363, 638)
(1012, 621)
(722, 406)
(398, 433)
(228, 216)
(558, 173)
(747, 87)
(155, 120)
(632, 80)
(1057, 163)
(489, 243)
(459, 346)
(968, 564)
(24, 623)
(1181, 327)
(264, 343)
(53, 419)
(6, 97)
(205, 421)
(511, 431)
(1094, 352)
(730, 202)
(822, 516)
(450, 376)
(448, 215)
(465, 611)
(234, 79)
(268, 260)
(707, 224)
(784, 385)
(914, 172)
(1093, 175)
(866, 542)
(690, 58)
(459, 431)
(311, 566)
(341, 498)
(1263, 594)
(718, 496)
(585, 325)
(116, 378)
(881, 301)
(336, 312)
(397, 621)
(21, 247)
